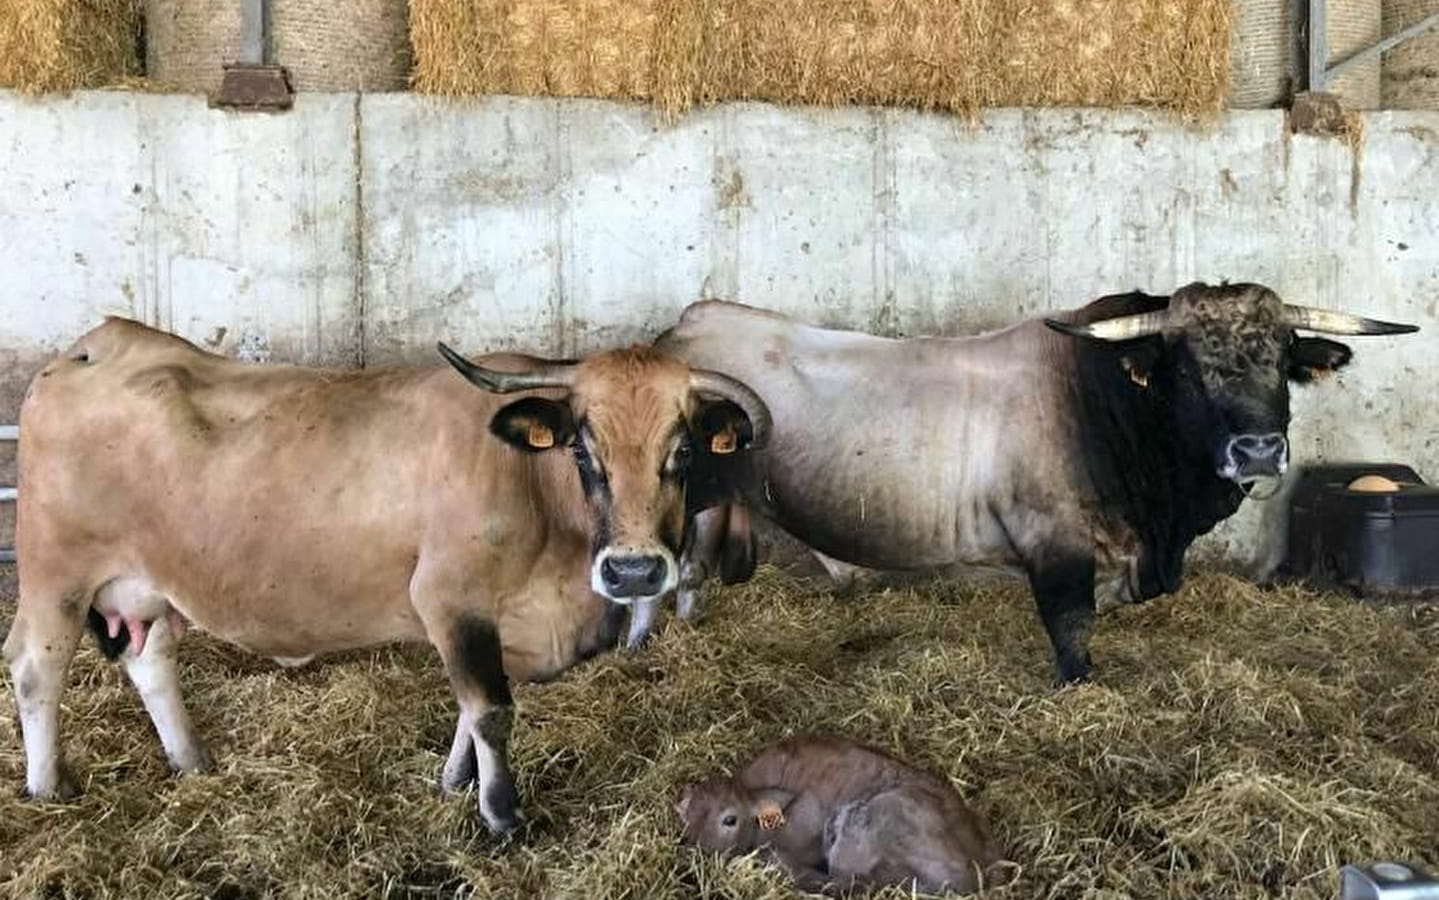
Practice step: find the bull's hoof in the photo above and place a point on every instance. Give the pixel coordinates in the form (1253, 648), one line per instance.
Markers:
(1072, 671)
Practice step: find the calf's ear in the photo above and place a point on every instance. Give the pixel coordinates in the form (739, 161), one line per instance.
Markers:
(769, 806)
(722, 427)
(1311, 358)
(534, 424)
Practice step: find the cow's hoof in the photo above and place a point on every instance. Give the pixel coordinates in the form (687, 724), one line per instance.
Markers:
(63, 790)
(197, 762)
(509, 826)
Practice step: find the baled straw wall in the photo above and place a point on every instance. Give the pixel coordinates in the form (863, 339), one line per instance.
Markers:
(61, 45)
(933, 54)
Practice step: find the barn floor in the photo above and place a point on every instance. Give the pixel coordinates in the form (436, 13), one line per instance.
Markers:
(1237, 743)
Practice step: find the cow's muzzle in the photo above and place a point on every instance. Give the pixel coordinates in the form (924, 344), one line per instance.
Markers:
(626, 574)
(1249, 457)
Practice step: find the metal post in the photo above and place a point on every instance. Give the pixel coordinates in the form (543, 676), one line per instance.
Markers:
(1318, 32)
(1398, 37)
(8, 493)
(254, 29)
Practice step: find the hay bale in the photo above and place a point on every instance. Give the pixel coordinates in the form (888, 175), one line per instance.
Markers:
(1261, 53)
(187, 42)
(365, 49)
(62, 45)
(930, 54)
(1410, 72)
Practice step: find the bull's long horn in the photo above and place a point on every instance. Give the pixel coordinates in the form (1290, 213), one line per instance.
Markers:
(543, 375)
(1119, 328)
(703, 381)
(1331, 322)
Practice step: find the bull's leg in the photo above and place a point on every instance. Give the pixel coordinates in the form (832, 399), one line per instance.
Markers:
(847, 577)
(1063, 587)
(701, 559)
(156, 677)
(470, 647)
(39, 648)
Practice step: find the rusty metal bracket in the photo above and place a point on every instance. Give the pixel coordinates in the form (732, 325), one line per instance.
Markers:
(255, 86)
(255, 83)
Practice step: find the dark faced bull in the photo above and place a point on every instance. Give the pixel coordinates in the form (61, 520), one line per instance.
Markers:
(1099, 446)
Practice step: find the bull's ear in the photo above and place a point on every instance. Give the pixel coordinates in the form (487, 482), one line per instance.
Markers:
(1311, 358)
(722, 427)
(534, 424)
(1139, 361)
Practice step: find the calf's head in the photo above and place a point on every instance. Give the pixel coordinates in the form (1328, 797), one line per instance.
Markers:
(632, 421)
(1225, 355)
(718, 815)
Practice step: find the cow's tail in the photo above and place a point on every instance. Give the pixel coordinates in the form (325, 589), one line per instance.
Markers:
(739, 550)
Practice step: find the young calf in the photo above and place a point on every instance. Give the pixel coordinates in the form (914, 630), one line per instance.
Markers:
(840, 816)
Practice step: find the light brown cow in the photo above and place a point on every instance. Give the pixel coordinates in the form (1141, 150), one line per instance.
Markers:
(296, 511)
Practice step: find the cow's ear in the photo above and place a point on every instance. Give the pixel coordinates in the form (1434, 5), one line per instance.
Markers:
(722, 427)
(1138, 362)
(1311, 358)
(534, 424)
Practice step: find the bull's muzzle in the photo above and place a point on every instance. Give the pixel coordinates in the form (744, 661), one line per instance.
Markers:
(1252, 456)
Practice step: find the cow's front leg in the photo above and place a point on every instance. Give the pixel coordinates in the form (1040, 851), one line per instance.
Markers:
(1063, 586)
(459, 771)
(471, 649)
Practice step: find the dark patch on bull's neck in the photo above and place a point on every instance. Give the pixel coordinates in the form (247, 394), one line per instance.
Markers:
(1144, 476)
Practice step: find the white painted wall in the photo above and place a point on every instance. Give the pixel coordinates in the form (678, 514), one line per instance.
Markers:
(364, 228)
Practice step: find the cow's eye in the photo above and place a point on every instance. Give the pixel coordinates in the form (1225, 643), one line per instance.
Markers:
(730, 820)
(679, 458)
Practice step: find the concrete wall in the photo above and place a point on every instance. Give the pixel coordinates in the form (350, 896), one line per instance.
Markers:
(361, 229)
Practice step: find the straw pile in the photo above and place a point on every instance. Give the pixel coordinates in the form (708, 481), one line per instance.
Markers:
(1237, 743)
(61, 45)
(933, 54)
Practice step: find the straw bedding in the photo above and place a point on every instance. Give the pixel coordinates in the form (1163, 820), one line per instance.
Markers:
(61, 45)
(1236, 743)
(933, 54)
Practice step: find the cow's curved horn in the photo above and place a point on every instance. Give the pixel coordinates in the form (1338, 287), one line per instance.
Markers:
(703, 381)
(1119, 328)
(544, 375)
(1332, 322)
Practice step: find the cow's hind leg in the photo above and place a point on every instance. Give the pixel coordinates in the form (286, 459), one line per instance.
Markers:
(1063, 586)
(39, 648)
(474, 660)
(155, 675)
